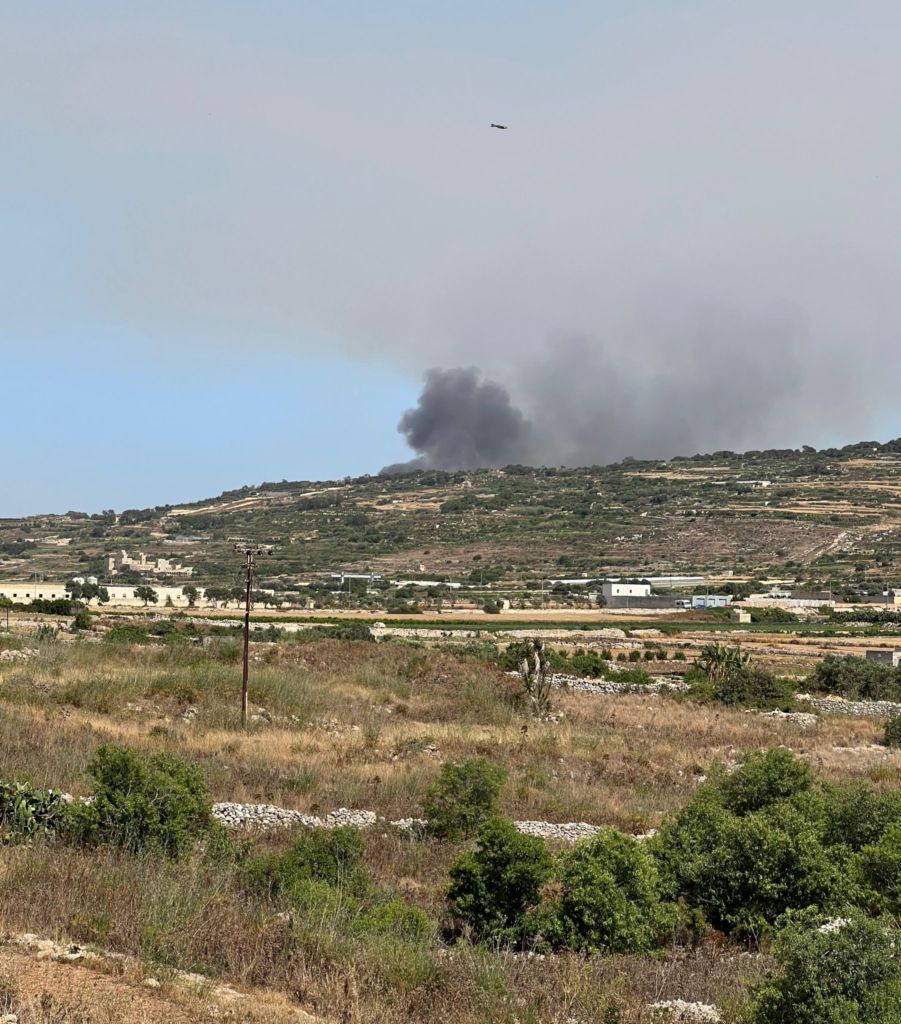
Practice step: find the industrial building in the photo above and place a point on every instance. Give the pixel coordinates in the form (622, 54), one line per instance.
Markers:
(613, 589)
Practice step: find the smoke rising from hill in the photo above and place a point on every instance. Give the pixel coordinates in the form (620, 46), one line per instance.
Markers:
(462, 421)
(688, 380)
(686, 241)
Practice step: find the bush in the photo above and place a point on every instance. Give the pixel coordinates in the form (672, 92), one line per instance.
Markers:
(856, 678)
(844, 975)
(608, 899)
(879, 872)
(398, 920)
(26, 811)
(762, 779)
(745, 872)
(51, 606)
(892, 737)
(82, 619)
(331, 857)
(159, 802)
(495, 885)
(747, 847)
(855, 815)
(126, 634)
(754, 687)
(773, 614)
(343, 631)
(463, 797)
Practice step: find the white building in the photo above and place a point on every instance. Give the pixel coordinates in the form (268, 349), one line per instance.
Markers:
(622, 589)
(23, 592)
(711, 600)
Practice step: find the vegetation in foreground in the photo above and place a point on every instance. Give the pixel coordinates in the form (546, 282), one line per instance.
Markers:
(409, 926)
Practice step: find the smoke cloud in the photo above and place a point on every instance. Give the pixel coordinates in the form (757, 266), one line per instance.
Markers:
(462, 421)
(686, 241)
(677, 381)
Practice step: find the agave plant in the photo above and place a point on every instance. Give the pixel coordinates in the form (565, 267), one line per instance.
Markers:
(536, 679)
(718, 661)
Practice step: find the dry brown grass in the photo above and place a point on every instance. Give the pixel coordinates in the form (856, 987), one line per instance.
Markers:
(113, 991)
(364, 717)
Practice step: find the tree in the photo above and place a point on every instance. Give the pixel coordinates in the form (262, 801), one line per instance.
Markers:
(191, 593)
(146, 594)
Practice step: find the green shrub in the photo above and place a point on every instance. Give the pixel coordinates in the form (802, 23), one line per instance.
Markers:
(855, 678)
(493, 886)
(342, 631)
(892, 736)
(608, 899)
(749, 846)
(754, 687)
(332, 857)
(847, 975)
(773, 614)
(879, 872)
(26, 811)
(744, 872)
(398, 920)
(51, 606)
(463, 796)
(82, 620)
(126, 634)
(159, 802)
(761, 780)
(854, 815)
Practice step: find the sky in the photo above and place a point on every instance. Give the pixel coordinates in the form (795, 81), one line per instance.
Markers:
(234, 237)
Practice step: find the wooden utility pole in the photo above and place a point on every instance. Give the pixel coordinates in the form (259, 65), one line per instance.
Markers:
(250, 552)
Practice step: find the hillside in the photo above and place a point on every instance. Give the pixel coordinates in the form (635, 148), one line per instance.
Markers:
(829, 517)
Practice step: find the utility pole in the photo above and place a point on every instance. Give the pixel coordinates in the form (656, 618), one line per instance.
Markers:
(250, 552)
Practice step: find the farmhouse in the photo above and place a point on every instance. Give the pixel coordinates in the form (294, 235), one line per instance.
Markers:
(121, 561)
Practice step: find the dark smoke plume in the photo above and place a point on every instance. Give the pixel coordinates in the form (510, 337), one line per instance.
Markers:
(681, 382)
(463, 421)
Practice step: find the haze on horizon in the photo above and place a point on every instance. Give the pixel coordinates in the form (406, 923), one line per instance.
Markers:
(236, 239)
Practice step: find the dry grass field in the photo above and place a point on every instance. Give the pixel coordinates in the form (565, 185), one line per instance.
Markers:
(367, 726)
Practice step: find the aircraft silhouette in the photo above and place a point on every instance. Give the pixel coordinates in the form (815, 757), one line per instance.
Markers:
(501, 126)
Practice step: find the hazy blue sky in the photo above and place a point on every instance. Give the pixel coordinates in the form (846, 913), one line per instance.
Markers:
(233, 236)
